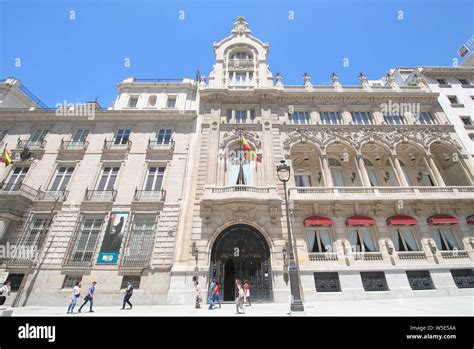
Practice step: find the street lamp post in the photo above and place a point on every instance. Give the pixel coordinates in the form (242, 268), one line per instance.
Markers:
(283, 172)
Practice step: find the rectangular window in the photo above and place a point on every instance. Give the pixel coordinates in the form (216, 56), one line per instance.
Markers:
(426, 118)
(403, 239)
(241, 116)
(441, 81)
(393, 119)
(240, 79)
(80, 136)
(37, 138)
(3, 134)
(16, 178)
(133, 102)
(154, 179)
(327, 282)
(122, 136)
(171, 102)
(133, 279)
(141, 240)
(463, 278)
(86, 242)
(466, 120)
(453, 99)
(15, 280)
(61, 178)
(107, 178)
(463, 81)
(420, 280)
(374, 281)
(302, 180)
(337, 175)
(445, 239)
(361, 118)
(319, 240)
(71, 280)
(330, 118)
(361, 240)
(33, 232)
(299, 118)
(229, 115)
(164, 135)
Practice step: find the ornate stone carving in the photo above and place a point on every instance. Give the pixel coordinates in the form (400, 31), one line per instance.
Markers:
(234, 135)
(240, 26)
(390, 136)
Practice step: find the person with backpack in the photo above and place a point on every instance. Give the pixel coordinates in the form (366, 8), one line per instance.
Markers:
(128, 295)
(4, 292)
(76, 293)
(89, 297)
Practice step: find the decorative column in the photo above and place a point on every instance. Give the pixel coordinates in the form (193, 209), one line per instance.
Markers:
(392, 165)
(326, 171)
(434, 169)
(365, 176)
(398, 169)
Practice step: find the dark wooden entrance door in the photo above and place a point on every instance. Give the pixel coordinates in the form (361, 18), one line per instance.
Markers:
(241, 252)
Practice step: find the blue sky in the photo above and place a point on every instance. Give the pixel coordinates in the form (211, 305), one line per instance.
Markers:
(82, 59)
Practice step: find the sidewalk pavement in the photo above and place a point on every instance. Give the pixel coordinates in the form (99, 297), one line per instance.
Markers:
(429, 306)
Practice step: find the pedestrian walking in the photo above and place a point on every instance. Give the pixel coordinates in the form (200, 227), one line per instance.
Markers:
(128, 295)
(247, 292)
(89, 297)
(4, 292)
(198, 293)
(76, 293)
(210, 294)
(239, 297)
(216, 297)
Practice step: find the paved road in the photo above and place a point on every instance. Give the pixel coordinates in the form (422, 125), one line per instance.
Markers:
(433, 306)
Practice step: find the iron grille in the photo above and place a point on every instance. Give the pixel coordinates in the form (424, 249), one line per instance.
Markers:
(71, 280)
(374, 281)
(420, 280)
(327, 282)
(463, 278)
(133, 279)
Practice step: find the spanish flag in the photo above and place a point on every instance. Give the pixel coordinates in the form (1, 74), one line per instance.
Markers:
(6, 157)
(245, 144)
(252, 156)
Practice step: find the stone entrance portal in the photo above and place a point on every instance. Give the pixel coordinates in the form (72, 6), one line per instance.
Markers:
(240, 251)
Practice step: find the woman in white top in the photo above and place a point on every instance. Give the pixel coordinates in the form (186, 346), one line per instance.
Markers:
(198, 293)
(4, 292)
(240, 297)
(76, 293)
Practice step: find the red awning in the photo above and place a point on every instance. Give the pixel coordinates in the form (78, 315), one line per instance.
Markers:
(317, 221)
(401, 220)
(470, 219)
(355, 221)
(442, 219)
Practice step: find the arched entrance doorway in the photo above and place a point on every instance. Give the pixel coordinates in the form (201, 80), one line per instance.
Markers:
(240, 251)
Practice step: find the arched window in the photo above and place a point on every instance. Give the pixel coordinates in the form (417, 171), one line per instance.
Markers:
(372, 173)
(337, 173)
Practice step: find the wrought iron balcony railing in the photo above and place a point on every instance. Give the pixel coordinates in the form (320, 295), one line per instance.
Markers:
(100, 195)
(114, 145)
(155, 145)
(73, 145)
(52, 195)
(32, 145)
(19, 188)
(149, 195)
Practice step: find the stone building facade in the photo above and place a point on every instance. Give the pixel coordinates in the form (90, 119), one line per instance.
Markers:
(381, 193)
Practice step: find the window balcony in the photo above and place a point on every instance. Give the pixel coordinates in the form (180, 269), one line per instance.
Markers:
(52, 195)
(112, 145)
(149, 195)
(311, 194)
(73, 146)
(31, 145)
(100, 195)
(454, 254)
(243, 193)
(411, 255)
(322, 256)
(157, 147)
